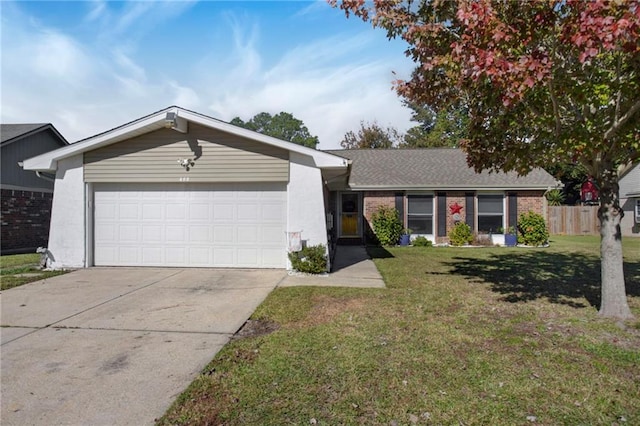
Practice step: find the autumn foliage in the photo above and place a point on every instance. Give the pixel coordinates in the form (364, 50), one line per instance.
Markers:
(544, 82)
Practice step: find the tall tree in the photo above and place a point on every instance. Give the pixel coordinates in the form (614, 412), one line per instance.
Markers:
(546, 82)
(371, 135)
(282, 126)
(445, 128)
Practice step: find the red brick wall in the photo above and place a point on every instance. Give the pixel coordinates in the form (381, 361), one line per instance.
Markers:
(25, 219)
(453, 197)
(531, 201)
(374, 199)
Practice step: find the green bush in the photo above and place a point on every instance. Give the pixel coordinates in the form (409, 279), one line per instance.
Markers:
(386, 225)
(533, 230)
(421, 241)
(460, 234)
(312, 259)
(555, 197)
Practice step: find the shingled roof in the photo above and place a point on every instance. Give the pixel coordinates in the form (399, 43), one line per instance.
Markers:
(430, 168)
(12, 132)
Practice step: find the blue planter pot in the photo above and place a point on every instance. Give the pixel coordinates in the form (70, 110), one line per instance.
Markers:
(405, 240)
(510, 240)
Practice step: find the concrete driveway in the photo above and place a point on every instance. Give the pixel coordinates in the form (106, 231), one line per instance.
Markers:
(115, 346)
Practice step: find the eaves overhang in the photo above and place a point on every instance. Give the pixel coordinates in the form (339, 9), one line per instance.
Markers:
(180, 117)
(356, 187)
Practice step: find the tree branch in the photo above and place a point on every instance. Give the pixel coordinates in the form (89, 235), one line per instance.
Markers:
(619, 97)
(622, 121)
(556, 112)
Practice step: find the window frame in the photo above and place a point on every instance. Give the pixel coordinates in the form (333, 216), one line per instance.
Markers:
(428, 216)
(478, 213)
(637, 212)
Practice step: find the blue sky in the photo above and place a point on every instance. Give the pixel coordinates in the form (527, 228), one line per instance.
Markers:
(88, 66)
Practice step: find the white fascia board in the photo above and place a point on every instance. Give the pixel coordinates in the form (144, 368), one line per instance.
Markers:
(321, 159)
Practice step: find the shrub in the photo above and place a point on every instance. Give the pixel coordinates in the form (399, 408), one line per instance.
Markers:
(312, 259)
(421, 241)
(386, 225)
(533, 229)
(555, 197)
(460, 234)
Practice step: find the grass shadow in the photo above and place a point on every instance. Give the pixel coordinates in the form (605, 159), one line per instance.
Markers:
(566, 279)
(378, 252)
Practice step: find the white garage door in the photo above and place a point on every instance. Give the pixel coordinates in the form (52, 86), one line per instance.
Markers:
(199, 225)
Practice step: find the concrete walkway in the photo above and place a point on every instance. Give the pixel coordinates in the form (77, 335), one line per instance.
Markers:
(352, 268)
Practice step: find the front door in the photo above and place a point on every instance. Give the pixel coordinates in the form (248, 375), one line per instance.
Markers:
(350, 213)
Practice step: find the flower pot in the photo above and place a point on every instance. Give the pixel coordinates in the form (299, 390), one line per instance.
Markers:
(405, 240)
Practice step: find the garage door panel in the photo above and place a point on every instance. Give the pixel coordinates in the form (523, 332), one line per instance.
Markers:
(127, 211)
(175, 211)
(199, 234)
(224, 257)
(175, 234)
(152, 255)
(272, 212)
(128, 233)
(226, 225)
(152, 233)
(223, 235)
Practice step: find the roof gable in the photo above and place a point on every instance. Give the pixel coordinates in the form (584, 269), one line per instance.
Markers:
(177, 119)
(10, 133)
(430, 168)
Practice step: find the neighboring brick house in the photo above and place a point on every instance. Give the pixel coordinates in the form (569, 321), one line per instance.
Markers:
(26, 198)
(427, 186)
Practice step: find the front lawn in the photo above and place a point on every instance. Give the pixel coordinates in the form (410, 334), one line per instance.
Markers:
(460, 336)
(19, 269)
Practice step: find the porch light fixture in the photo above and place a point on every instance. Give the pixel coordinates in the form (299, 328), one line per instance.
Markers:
(187, 163)
(172, 121)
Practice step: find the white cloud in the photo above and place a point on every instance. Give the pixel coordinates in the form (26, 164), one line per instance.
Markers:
(84, 87)
(98, 8)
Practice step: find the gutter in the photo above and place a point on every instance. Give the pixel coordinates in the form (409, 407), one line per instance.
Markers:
(41, 175)
(445, 188)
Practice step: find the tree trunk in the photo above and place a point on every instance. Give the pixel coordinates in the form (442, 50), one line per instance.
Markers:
(614, 296)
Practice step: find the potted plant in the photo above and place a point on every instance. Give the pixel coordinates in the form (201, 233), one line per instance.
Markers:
(405, 237)
(510, 237)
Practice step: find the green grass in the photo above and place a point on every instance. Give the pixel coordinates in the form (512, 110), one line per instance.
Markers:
(13, 268)
(460, 336)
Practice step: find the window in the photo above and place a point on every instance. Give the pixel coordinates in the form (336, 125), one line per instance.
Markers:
(638, 210)
(420, 214)
(490, 213)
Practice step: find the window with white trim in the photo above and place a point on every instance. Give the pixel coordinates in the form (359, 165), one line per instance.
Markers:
(638, 210)
(490, 212)
(420, 214)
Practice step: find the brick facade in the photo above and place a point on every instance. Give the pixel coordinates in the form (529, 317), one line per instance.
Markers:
(526, 201)
(374, 199)
(25, 219)
(453, 197)
(532, 201)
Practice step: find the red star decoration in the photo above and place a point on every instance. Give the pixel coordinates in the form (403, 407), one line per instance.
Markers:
(455, 208)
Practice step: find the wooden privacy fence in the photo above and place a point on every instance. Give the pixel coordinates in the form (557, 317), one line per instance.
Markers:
(573, 220)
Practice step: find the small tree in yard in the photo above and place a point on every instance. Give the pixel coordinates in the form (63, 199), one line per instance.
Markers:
(545, 82)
